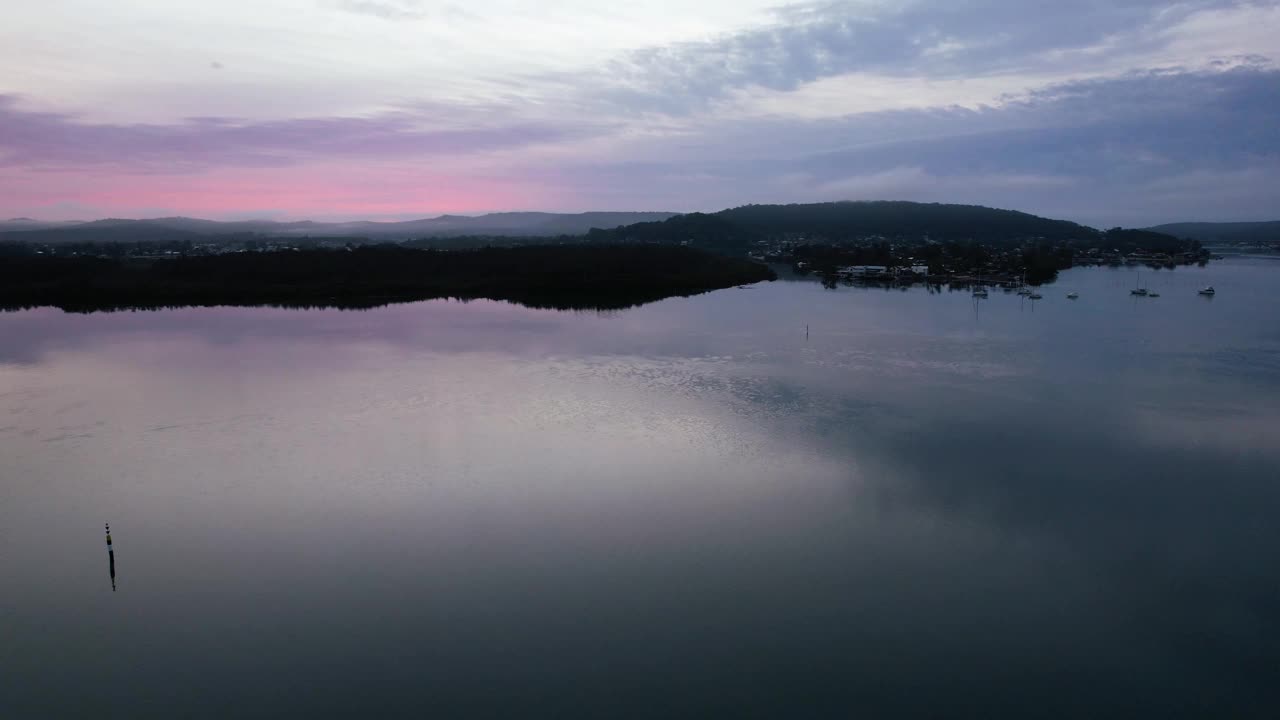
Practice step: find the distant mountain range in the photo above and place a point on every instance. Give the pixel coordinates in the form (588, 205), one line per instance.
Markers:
(177, 228)
(1228, 232)
(734, 227)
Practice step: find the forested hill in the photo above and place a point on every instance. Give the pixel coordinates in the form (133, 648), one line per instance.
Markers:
(847, 221)
(701, 229)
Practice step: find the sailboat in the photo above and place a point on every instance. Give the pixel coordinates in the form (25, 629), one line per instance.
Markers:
(1023, 288)
(1138, 289)
(980, 290)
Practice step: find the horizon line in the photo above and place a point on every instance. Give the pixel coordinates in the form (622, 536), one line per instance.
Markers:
(407, 218)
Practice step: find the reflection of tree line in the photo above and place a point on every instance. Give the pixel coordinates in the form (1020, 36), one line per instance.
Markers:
(545, 276)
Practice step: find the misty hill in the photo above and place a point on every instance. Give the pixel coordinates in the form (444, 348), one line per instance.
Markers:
(101, 232)
(529, 224)
(1228, 232)
(25, 223)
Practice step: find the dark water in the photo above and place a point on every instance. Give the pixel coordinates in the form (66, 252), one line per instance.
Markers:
(926, 509)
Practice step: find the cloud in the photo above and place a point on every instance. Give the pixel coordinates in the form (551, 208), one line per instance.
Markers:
(901, 181)
(51, 141)
(1134, 127)
(1140, 148)
(385, 9)
(401, 10)
(1136, 149)
(916, 38)
(1129, 111)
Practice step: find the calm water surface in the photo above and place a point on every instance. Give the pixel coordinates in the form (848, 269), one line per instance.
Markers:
(926, 508)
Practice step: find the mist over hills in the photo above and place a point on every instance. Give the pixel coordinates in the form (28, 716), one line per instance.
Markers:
(1224, 232)
(177, 228)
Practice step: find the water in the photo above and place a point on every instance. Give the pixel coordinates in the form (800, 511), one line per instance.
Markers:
(929, 508)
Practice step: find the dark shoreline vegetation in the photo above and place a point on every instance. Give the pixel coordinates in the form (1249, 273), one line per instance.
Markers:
(561, 277)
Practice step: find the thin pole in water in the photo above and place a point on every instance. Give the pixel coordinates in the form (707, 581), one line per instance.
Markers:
(111, 558)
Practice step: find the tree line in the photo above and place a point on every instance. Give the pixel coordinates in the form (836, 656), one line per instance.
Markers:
(571, 276)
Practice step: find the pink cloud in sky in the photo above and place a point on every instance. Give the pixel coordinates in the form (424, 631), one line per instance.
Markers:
(52, 140)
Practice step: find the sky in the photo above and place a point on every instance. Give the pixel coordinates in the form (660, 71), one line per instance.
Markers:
(1106, 112)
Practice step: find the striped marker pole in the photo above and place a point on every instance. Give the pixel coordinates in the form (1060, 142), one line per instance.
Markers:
(111, 558)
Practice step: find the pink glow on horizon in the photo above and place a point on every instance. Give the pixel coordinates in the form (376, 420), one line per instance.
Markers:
(296, 192)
